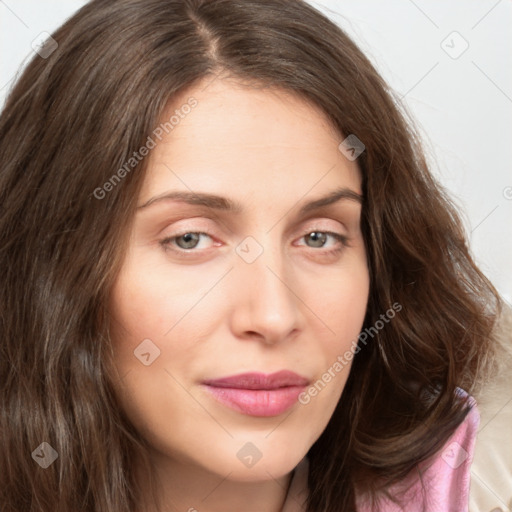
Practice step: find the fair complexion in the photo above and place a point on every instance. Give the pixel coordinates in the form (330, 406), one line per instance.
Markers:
(211, 313)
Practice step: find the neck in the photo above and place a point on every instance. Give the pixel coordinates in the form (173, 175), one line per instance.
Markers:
(185, 487)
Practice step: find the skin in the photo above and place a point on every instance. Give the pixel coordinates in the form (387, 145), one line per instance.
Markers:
(212, 314)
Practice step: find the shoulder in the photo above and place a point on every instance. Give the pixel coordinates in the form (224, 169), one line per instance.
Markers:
(442, 482)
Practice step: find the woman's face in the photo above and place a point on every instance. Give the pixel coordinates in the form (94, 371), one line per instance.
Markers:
(253, 274)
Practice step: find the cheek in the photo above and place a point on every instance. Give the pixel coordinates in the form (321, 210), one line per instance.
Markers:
(148, 299)
(157, 317)
(341, 308)
(149, 352)
(343, 301)
(343, 305)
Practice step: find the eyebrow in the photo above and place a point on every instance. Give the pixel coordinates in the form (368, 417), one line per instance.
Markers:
(216, 202)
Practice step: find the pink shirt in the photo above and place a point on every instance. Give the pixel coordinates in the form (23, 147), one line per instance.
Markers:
(445, 477)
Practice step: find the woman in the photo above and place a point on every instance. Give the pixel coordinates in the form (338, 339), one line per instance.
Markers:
(228, 279)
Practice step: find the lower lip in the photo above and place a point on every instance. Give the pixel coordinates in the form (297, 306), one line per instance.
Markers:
(258, 402)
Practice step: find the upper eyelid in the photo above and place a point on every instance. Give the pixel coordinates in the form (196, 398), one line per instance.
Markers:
(311, 220)
(210, 232)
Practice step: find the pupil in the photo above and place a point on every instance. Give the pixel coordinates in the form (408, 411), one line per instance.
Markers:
(190, 240)
(318, 238)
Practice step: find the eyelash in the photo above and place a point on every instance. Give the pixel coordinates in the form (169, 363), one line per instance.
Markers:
(166, 242)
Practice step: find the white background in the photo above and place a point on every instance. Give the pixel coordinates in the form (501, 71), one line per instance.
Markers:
(463, 105)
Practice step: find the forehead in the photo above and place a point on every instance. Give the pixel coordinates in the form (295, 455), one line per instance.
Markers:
(241, 138)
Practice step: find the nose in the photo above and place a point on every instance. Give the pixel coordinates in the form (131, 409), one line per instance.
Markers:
(266, 304)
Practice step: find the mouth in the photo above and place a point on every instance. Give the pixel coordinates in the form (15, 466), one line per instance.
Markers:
(258, 394)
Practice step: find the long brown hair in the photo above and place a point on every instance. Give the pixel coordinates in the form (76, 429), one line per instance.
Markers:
(78, 115)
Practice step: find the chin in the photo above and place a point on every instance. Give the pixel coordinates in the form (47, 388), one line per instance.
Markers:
(256, 461)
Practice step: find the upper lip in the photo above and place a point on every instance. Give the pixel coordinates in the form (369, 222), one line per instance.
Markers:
(256, 380)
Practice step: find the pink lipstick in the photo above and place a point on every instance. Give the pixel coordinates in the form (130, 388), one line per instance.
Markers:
(258, 394)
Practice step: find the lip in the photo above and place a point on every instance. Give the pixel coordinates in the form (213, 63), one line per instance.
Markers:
(258, 394)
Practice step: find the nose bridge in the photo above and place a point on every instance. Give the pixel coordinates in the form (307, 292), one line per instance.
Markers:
(266, 295)
(263, 264)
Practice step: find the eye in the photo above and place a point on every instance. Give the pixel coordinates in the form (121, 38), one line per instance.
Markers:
(185, 241)
(318, 239)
